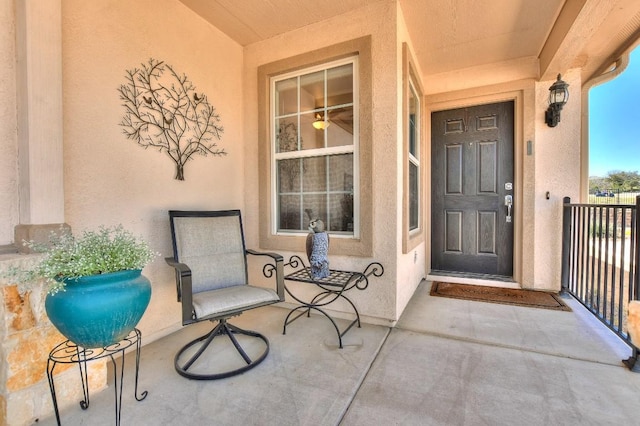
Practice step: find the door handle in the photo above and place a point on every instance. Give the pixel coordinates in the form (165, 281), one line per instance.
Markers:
(508, 201)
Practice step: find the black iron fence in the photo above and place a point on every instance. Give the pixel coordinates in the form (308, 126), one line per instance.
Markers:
(613, 196)
(600, 257)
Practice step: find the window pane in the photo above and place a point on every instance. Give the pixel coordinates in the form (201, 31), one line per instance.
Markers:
(341, 213)
(311, 137)
(413, 124)
(413, 196)
(289, 212)
(340, 132)
(289, 172)
(315, 174)
(312, 91)
(315, 207)
(312, 172)
(341, 173)
(340, 85)
(286, 96)
(286, 135)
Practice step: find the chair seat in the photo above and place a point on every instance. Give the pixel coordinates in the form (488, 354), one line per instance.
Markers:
(229, 299)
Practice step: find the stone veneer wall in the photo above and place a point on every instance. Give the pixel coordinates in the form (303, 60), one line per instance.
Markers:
(26, 338)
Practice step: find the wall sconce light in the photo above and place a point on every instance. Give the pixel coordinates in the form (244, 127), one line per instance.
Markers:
(558, 96)
(319, 123)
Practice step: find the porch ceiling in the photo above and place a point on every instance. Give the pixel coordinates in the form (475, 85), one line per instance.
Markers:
(540, 38)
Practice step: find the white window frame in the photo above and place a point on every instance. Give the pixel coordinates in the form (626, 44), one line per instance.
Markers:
(317, 152)
(411, 84)
(415, 159)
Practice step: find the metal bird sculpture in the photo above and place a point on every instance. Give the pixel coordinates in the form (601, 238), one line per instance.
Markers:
(318, 249)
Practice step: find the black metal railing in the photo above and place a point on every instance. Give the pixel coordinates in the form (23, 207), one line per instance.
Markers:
(600, 256)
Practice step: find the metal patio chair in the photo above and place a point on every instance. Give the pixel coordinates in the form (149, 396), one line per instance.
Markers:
(209, 257)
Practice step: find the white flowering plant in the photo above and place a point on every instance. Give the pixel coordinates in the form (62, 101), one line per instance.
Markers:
(109, 249)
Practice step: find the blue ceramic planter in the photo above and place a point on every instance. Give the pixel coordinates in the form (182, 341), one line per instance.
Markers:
(99, 310)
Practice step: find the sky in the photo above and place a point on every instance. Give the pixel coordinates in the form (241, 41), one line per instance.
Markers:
(614, 122)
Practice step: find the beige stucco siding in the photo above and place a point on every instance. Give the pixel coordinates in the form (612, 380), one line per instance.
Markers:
(110, 179)
(8, 125)
(557, 171)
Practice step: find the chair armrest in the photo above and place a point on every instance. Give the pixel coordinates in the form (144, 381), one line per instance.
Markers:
(183, 288)
(267, 270)
(275, 256)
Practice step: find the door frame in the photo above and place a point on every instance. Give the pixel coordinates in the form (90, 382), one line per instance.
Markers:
(447, 101)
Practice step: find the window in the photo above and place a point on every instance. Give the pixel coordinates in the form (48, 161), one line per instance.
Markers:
(413, 130)
(306, 171)
(413, 174)
(315, 136)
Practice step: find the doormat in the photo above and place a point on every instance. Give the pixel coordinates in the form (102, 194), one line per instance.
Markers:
(508, 296)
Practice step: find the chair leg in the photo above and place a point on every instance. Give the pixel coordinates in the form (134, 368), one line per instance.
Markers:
(222, 328)
(229, 331)
(208, 339)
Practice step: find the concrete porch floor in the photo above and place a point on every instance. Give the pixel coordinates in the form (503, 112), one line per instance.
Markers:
(447, 362)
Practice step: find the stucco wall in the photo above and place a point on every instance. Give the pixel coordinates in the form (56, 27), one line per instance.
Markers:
(110, 179)
(378, 302)
(411, 265)
(8, 135)
(557, 171)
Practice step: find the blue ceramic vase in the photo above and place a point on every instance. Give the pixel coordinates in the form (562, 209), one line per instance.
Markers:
(99, 310)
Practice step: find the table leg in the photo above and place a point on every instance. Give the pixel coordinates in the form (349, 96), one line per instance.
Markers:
(309, 307)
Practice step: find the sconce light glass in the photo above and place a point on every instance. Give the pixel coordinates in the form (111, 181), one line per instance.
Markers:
(558, 97)
(319, 123)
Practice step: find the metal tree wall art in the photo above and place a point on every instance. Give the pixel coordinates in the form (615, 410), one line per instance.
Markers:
(163, 111)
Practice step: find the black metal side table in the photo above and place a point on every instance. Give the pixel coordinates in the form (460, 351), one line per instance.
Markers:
(68, 352)
(332, 288)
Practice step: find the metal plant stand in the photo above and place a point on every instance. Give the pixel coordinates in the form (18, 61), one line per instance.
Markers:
(332, 288)
(68, 352)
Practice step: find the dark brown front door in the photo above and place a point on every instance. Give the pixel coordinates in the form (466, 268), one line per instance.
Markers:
(472, 178)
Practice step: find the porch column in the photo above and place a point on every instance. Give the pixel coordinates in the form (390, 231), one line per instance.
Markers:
(39, 111)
